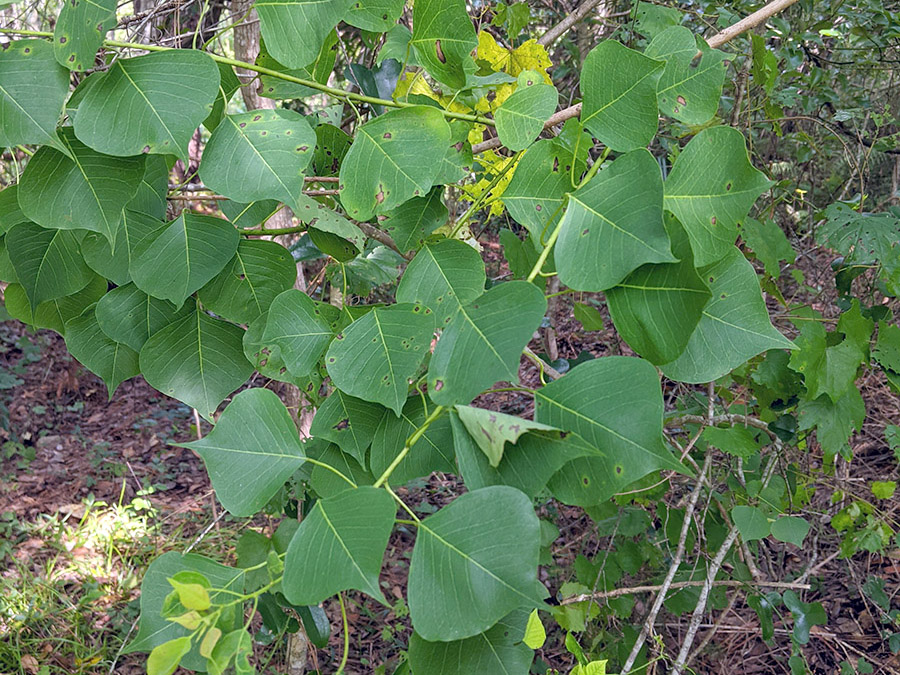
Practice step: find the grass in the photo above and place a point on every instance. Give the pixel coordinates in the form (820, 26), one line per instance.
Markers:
(71, 580)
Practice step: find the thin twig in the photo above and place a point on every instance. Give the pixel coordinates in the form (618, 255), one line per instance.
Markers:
(580, 12)
(543, 365)
(634, 590)
(673, 567)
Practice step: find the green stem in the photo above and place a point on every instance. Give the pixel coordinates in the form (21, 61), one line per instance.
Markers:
(312, 84)
(415, 519)
(343, 665)
(595, 167)
(411, 441)
(547, 248)
(262, 232)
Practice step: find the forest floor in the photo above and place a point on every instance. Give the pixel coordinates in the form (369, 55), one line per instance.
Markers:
(92, 490)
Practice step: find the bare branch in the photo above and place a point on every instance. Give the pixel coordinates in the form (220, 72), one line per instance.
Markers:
(634, 590)
(580, 12)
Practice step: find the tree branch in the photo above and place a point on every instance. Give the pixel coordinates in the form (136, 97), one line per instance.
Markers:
(580, 12)
(716, 40)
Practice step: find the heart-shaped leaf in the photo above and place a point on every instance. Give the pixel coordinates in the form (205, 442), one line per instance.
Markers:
(520, 119)
(258, 273)
(619, 87)
(388, 344)
(294, 30)
(82, 191)
(52, 314)
(115, 264)
(33, 89)
(79, 31)
(48, 263)
(615, 404)
(198, 360)
(484, 341)
(259, 155)
(339, 546)
(613, 225)
(392, 160)
(711, 188)
(657, 307)
(299, 329)
(734, 326)
(443, 276)
(148, 104)
(468, 572)
(253, 449)
(348, 421)
(374, 15)
(183, 257)
(443, 37)
(128, 315)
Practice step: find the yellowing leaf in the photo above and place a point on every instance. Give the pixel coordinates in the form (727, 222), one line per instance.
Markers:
(592, 668)
(527, 56)
(535, 635)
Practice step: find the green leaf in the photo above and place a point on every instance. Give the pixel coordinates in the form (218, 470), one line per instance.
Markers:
(318, 70)
(710, 188)
(443, 277)
(258, 273)
(806, 615)
(253, 449)
(619, 88)
(325, 482)
(887, 348)
(298, 327)
(52, 314)
(374, 15)
(493, 430)
(499, 649)
(111, 361)
(79, 32)
(736, 441)
(48, 263)
(295, 30)
(468, 571)
(790, 529)
(348, 421)
(654, 19)
(658, 306)
(588, 316)
(613, 225)
(392, 160)
(834, 421)
(691, 85)
(84, 191)
(128, 315)
(751, 522)
(539, 185)
(340, 546)
(443, 39)
(734, 327)
(260, 154)
(164, 658)
(387, 344)
(148, 104)
(153, 189)
(115, 264)
(860, 237)
(332, 234)
(191, 588)
(411, 222)
(154, 629)
(197, 360)
(526, 466)
(769, 243)
(183, 257)
(520, 118)
(484, 341)
(433, 451)
(615, 405)
(535, 635)
(33, 88)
